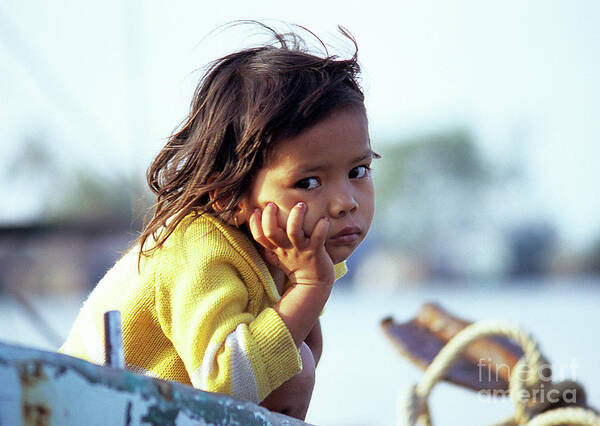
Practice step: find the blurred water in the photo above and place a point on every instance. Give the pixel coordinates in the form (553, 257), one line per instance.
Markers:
(361, 374)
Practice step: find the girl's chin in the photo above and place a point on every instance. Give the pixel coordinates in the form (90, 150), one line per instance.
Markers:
(339, 254)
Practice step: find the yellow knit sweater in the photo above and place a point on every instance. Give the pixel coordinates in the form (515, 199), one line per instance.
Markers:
(198, 312)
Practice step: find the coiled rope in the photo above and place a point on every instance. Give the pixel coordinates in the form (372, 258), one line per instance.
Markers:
(530, 374)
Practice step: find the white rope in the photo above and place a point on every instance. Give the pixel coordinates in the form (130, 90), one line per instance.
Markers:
(455, 347)
(527, 375)
(566, 415)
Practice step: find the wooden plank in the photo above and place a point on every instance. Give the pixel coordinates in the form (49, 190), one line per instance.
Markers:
(485, 365)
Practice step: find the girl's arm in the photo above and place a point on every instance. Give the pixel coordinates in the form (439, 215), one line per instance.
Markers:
(201, 306)
(300, 307)
(303, 259)
(314, 340)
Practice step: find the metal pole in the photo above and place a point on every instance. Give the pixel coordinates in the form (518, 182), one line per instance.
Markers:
(113, 340)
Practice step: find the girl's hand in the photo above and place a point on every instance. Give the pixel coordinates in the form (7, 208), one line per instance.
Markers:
(302, 258)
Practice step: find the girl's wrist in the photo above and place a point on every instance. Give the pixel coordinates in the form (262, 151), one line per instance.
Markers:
(321, 284)
(312, 280)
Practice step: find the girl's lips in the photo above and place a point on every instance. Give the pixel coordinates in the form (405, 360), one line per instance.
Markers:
(347, 235)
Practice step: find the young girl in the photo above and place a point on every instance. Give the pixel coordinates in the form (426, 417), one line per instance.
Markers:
(261, 196)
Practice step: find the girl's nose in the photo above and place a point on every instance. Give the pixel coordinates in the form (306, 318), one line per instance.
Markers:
(342, 203)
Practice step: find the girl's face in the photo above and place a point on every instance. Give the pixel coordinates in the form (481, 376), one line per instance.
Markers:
(328, 168)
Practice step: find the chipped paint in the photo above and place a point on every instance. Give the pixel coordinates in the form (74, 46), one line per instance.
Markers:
(35, 411)
(45, 388)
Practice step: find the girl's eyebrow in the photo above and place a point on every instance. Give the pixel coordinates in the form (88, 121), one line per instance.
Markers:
(369, 155)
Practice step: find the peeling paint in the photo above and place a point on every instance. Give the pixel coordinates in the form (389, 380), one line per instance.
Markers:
(128, 414)
(35, 411)
(36, 414)
(60, 371)
(53, 389)
(166, 390)
(160, 417)
(31, 373)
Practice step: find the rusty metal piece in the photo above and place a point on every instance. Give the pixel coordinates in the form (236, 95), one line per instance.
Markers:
(485, 365)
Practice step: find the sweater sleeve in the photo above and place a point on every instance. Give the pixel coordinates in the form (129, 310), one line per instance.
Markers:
(202, 310)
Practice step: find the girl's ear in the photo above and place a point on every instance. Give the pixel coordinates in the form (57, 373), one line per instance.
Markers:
(236, 218)
(243, 212)
(216, 204)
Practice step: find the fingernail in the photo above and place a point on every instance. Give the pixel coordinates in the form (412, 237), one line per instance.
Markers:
(256, 211)
(271, 204)
(326, 219)
(301, 205)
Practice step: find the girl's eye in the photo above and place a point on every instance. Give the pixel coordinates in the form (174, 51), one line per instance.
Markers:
(359, 172)
(308, 183)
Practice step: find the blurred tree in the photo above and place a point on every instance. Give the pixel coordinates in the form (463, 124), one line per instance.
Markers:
(74, 193)
(438, 198)
(33, 158)
(90, 197)
(428, 185)
(80, 223)
(431, 202)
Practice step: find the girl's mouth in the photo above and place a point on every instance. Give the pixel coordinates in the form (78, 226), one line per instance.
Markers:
(347, 235)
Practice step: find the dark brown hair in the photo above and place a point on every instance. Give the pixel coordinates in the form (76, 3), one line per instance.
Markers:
(244, 104)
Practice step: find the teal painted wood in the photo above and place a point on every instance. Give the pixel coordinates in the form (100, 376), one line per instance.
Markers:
(47, 388)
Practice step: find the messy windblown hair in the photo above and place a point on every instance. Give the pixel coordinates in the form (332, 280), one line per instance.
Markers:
(244, 104)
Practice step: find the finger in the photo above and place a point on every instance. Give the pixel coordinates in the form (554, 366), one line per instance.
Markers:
(255, 225)
(271, 228)
(319, 235)
(295, 225)
(271, 257)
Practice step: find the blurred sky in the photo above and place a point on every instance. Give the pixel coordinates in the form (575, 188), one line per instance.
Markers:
(105, 82)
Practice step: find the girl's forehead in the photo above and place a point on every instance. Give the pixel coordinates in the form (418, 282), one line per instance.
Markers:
(317, 157)
(342, 135)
